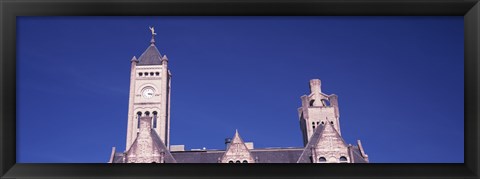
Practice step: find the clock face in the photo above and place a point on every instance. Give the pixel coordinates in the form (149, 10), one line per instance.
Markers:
(148, 92)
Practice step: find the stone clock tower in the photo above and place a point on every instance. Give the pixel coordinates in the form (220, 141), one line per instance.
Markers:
(149, 94)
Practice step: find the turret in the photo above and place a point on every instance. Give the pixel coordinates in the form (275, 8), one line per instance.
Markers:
(317, 109)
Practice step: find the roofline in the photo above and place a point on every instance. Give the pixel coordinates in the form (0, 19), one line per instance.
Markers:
(252, 150)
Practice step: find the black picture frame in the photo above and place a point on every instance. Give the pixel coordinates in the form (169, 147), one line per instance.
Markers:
(470, 9)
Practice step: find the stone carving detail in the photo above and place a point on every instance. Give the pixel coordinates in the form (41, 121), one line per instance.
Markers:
(144, 151)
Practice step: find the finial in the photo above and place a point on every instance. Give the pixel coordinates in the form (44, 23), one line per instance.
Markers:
(165, 58)
(134, 59)
(152, 29)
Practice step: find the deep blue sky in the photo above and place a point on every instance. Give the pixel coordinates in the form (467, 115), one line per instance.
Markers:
(399, 82)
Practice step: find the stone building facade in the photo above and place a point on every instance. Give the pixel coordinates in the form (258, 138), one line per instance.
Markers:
(148, 127)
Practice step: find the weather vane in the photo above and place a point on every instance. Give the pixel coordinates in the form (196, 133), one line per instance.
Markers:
(153, 30)
(153, 35)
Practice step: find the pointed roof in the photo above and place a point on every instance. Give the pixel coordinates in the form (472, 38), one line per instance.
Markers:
(318, 136)
(237, 139)
(134, 58)
(151, 56)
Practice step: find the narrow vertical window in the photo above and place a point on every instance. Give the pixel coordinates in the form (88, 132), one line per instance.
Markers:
(139, 114)
(154, 119)
(147, 114)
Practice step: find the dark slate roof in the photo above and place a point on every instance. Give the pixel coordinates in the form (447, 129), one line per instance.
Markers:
(118, 157)
(277, 155)
(151, 56)
(357, 156)
(280, 155)
(197, 156)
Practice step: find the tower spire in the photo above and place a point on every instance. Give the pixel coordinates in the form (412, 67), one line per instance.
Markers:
(152, 29)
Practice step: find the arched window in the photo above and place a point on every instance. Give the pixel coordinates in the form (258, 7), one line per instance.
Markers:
(311, 102)
(157, 73)
(151, 73)
(238, 161)
(230, 161)
(140, 74)
(322, 160)
(147, 113)
(343, 159)
(154, 119)
(245, 161)
(139, 114)
(146, 74)
(325, 102)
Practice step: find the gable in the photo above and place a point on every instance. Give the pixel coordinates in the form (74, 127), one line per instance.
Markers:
(148, 147)
(237, 152)
(325, 142)
(330, 146)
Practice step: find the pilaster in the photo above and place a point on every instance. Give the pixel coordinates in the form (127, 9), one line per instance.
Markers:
(130, 126)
